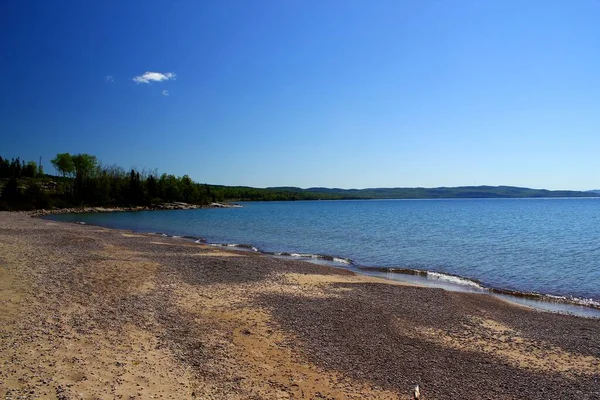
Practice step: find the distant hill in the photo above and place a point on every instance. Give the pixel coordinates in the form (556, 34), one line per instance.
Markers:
(439, 193)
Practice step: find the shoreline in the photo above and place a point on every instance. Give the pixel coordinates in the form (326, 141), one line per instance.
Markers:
(466, 284)
(93, 312)
(155, 207)
(432, 279)
(561, 304)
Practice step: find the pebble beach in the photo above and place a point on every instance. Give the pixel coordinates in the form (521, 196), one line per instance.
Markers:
(93, 313)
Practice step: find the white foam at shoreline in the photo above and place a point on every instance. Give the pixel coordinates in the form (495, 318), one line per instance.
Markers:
(322, 257)
(453, 279)
(342, 260)
(585, 302)
(235, 245)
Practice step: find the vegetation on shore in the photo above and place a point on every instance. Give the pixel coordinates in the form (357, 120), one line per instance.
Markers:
(81, 180)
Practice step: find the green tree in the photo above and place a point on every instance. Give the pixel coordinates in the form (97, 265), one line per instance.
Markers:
(188, 189)
(84, 165)
(99, 190)
(4, 168)
(135, 193)
(15, 167)
(152, 189)
(63, 162)
(30, 169)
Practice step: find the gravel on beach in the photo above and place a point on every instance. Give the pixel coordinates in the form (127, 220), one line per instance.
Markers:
(94, 313)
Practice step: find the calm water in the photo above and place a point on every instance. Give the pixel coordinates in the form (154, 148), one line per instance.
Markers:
(549, 246)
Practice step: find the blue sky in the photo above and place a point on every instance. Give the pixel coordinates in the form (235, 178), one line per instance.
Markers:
(310, 93)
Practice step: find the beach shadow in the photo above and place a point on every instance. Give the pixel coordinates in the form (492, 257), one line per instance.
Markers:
(363, 335)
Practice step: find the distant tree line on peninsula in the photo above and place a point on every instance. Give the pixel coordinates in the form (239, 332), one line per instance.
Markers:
(460, 192)
(81, 180)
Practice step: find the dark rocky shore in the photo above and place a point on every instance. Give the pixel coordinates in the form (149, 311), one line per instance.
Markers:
(88, 312)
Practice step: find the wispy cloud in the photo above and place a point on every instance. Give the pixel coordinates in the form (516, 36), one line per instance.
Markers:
(148, 77)
(165, 92)
(109, 78)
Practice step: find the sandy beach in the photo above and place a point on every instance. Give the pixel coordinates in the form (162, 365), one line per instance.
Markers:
(93, 313)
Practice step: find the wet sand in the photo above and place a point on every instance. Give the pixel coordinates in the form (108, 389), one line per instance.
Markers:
(88, 312)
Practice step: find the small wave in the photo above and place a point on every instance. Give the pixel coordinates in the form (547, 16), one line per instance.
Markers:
(586, 302)
(236, 245)
(578, 301)
(323, 257)
(405, 271)
(342, 260)
(453, 279)
(457, 280)
(196, 239)
(159, 234)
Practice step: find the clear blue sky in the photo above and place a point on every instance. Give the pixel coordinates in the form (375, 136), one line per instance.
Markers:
(310, 93)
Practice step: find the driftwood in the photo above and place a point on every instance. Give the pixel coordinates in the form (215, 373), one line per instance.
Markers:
(416, 393)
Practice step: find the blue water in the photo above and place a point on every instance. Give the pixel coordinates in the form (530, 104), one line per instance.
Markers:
(549, 246)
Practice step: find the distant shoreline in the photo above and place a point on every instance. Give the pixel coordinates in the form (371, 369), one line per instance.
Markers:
(458, 192)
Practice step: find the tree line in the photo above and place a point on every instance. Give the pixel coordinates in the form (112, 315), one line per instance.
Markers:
(81, 180)
(18, 168)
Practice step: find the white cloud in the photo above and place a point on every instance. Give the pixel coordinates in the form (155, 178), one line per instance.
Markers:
(165, 92)
(109, 78)
(148, 77)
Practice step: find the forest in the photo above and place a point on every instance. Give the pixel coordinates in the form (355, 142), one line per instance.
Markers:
(82, 180)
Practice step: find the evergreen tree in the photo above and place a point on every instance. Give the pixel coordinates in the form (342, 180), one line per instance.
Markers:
(151, 189)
